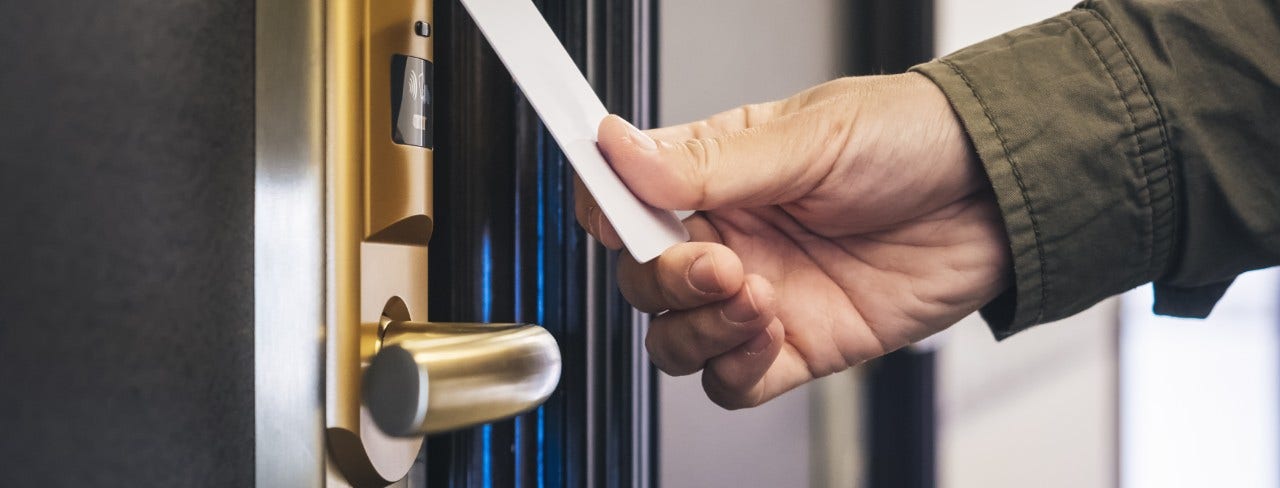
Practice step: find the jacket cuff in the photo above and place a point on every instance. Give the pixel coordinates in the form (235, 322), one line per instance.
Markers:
(1078, 156)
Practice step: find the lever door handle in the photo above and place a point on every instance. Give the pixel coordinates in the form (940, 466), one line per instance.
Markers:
(433, 377)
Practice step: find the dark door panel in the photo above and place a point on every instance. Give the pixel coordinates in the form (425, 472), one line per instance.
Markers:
(126, 243)
(507, 249)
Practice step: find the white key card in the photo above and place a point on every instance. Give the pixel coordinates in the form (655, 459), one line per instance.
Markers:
(572, 112)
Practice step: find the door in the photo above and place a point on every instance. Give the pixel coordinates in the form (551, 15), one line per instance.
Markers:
(166, 287)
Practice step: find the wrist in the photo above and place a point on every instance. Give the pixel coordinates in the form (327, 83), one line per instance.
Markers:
(955, 149)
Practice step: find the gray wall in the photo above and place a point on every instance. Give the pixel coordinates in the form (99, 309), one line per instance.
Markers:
(716, 55)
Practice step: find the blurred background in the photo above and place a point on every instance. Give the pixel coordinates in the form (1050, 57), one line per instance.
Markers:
(1113, 397)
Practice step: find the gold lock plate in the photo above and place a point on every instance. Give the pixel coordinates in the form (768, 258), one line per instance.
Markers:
(397, 177)
(378, 224)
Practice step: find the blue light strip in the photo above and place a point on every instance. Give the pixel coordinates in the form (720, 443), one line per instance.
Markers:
(542, 240)
(486, 277)
(542, 433)
(486, 310)
(542, 296)
(486, 461)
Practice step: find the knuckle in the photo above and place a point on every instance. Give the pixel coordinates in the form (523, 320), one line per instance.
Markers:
(656, 355)
(724, 396)
(639, 299)
(592, 218)
(755, 114)
(730, 403)
(645, 300)
(668, 359)
(580, 212)
(703, 155)
(674, 283)
(707, 334)
(680, 368)
(730, 376)
(668, 299)
(701, 128)
(638, 289)
(579, 207)
(711, 331)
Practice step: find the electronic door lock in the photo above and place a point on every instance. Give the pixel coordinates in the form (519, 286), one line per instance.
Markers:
(414, 377)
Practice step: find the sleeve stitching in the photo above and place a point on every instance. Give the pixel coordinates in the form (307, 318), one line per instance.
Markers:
(1022, 188)
(1164, 134)
(1133, 125)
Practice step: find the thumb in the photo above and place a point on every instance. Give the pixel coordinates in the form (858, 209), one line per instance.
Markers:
(773, 163)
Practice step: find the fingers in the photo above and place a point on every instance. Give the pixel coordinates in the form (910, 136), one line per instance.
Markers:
(695, 142)
(681, 342)
(761, 165)
(736, 379)
(744, 117)
(588, 211)
(591, 218)
(686, 276)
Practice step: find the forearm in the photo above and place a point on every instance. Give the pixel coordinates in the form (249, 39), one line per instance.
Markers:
(1127, 142)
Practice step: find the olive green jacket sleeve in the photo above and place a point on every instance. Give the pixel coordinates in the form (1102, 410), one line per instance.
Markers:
(1127, 142)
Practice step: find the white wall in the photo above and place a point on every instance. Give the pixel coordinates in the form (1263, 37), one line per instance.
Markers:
(1202, 397)
(1039, 409)
(716, 55)
(963, 22)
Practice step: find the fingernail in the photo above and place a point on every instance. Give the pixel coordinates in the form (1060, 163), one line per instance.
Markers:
(639, 138)
(741, 309)
(759, 343)
(702, 275)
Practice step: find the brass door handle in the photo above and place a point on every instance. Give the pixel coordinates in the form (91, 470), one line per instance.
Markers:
(433, 377)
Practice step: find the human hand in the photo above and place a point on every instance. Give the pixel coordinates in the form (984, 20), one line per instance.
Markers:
(834, 226)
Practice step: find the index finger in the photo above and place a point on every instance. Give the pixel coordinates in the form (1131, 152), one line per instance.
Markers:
(591, 218)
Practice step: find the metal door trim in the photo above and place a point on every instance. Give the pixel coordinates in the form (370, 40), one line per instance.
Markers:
(289, 213)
